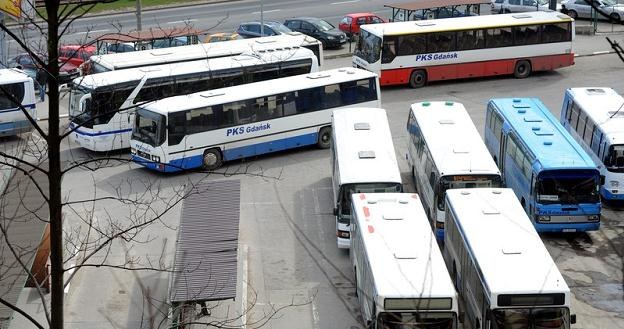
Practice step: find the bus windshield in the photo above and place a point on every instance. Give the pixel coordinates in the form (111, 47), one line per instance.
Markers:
(368, 47)
(529, 318)
(465, 181)
(149, 128)
(614, 161)
(557, 187)
(76, 114)
(347, 190)
(405, 320)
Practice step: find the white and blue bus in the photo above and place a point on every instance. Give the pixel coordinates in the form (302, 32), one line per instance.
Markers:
(500, 266)
(363, 161)
(445, 151)
(555, 180)
(15, 85)
(206, 128)
(101, 106)
(151, 57)
(595, 118)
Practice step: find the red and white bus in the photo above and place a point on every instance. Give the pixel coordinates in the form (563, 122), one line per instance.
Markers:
(417, 52)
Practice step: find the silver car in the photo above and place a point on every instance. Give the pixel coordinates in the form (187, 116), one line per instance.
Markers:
(516, 6)
(581, 9)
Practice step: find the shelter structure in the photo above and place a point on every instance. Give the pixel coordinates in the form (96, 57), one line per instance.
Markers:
(432, 9)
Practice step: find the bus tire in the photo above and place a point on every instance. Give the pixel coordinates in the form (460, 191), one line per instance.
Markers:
(418, 79)
(356, 282)
(324, 138)
(414, 178)
(522, 69)
(455, 278)
(212, 159)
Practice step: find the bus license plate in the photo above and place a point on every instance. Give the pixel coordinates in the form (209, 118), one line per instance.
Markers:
(569, 230)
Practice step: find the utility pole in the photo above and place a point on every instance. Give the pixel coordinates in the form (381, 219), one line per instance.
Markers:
(3, 43)
(138, 15)
(261, 18)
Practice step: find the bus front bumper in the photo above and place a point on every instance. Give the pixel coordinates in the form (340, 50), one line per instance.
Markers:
(612, 194)
(567, 227)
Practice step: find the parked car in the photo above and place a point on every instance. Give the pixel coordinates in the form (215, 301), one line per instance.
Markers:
(252, 29)
(350, 23)
(580, 9)
(517, 6)
(76, 54)
(222, 36)
(325, 32)
(23, 61)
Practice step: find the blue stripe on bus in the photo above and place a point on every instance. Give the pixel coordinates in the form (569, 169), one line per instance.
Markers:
(14, 128)
(439, 234)
(567, 227)
(28, 107)
(80, 132)
(196, 161)
(606, 194)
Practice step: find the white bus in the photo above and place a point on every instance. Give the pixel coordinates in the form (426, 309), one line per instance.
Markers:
(445, 151)
(499, 264)
(206, 128)
(15, 85)
(595, 118)
(101, 106)
(417, 52)
(363, 160)
(400, 276)
(128, 60)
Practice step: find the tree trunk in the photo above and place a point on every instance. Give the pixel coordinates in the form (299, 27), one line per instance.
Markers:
(54, 174)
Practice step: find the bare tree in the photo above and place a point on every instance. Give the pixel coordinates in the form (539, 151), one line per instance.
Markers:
(84, 230)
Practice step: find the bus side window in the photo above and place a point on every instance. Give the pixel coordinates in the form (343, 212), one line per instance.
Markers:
(389, 50)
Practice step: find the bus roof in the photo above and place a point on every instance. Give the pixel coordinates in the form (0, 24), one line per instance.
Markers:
(12, 76)
(469, 22)
(402, 252)
(350, 143)
(464, 154)
(542, 134)
(510, 254)
(257, 89)
(199, 51)
(182, 68)
(605, 107)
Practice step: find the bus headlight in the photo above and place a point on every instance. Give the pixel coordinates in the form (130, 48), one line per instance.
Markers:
(155, 158)
(614, 183)
(543, 218)
(594, 218)
(132, 150)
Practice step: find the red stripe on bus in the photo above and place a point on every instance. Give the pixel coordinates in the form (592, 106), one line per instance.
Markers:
(362, 196)
(475, 69)
(371, 229)
(366, 212)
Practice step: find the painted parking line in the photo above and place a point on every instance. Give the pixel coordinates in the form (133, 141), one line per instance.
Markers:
(343, 2)
(266, 11)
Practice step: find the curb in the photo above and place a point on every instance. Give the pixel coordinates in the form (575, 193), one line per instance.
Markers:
(596, 53)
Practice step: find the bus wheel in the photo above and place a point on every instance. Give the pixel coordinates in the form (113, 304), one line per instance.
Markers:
(414, 178)
(212, 159)
(324, 137)
(523, 69)
(418, 79)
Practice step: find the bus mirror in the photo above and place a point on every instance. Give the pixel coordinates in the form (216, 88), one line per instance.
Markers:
(602, 179)
(572, 318)
(335, 211)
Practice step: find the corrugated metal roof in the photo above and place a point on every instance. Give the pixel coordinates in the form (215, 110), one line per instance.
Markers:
(205, 260)
(427, 4)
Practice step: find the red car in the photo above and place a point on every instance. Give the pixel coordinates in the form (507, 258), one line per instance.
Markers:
(350, 23)
(75, 54)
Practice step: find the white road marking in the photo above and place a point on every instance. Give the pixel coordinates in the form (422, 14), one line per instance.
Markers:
(178, 22)
(343, 2)
(266, 11)
(94, 31)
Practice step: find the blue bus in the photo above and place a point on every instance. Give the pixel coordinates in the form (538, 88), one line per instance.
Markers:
(555, 180)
